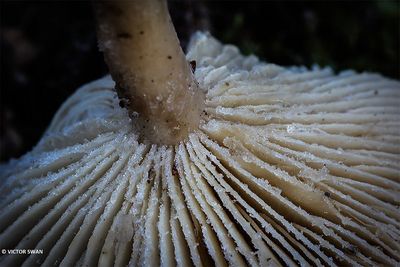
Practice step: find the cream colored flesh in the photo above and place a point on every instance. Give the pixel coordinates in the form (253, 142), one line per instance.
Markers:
(289, 167)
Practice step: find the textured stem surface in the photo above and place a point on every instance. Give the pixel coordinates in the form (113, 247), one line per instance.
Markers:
(153, 78)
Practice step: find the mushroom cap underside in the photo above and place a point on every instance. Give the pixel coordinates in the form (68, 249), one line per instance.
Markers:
(291, 166)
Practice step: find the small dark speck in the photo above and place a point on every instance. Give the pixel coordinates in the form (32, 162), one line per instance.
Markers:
(152, 80)
(169, 57)
(375, 92)
(327, 194)
(323, 119)
(226, 83)
(193, 65)
(141, 32)
(121, 104)
(174, 171)
(352, 249)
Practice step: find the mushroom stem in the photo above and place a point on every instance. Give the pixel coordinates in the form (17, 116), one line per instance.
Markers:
(153, 79)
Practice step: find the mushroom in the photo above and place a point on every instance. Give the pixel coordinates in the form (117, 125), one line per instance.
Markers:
(243, 163)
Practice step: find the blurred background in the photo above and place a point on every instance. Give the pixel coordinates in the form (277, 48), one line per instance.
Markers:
(48, 49)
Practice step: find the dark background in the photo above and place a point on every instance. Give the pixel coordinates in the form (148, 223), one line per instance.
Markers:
(48, 49)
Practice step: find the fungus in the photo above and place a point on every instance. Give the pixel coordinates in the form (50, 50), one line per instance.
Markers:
(275, 166)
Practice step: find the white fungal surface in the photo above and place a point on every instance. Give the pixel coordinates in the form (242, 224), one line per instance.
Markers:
(291, 167)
